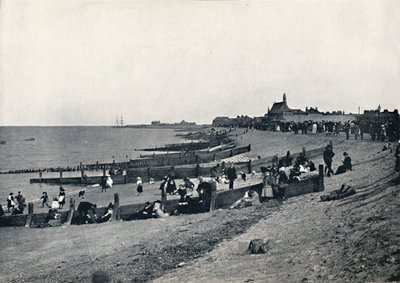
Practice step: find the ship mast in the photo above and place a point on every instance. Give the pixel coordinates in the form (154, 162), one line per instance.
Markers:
(117, 122)
(122, 121)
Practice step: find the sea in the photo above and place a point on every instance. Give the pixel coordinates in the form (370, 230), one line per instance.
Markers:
(46, 147)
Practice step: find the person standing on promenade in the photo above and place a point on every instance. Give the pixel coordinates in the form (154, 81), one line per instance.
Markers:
(328, 157)
(231, 174)
(45, 199)
(397, 155)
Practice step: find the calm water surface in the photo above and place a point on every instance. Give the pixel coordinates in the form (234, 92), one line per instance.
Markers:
(67, 146)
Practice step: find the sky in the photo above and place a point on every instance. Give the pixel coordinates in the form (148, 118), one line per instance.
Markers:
(86, 62)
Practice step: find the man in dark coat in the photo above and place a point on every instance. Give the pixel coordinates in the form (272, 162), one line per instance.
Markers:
(328, 157)
(231, 174)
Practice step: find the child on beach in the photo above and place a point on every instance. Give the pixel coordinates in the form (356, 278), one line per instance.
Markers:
(61, 198)
(45, 199)
(139, 184)
(10, 202)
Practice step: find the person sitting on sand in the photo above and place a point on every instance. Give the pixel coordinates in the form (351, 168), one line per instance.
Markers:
(55, 204)
(157, 211)
(85, 209)
(51, 215)
(181, 191)
(189, 185)
(52, 219)
(107, 214)
(386, 146)
(251, 198)
(346, 166)
(146, 212)
(19, 209)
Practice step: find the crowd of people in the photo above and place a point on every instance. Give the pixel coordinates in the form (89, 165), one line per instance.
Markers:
(16, 205)
(379, 131)
(275, 182)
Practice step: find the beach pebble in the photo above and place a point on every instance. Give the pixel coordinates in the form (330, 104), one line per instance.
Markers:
(181, 264)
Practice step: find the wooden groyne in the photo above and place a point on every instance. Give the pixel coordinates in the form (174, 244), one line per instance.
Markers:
(149, 171)
(202, 153)
(219, 199)
(189, 146)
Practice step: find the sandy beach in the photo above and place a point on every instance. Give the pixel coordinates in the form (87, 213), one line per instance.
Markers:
(350, 240)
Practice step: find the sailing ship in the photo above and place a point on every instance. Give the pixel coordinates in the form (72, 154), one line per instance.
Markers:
(119, 123)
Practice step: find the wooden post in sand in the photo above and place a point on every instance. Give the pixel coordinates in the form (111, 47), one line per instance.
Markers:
(249, 168)
(148, 174)
(213, 195)
(197, 170)
(304, 151)
(331, 144)
(40, 176)
(30, 215)
(321, 186)
(70, 212)
(104, 171)
(163, 197)
(116, 213)
(61, 176)
(82, 174)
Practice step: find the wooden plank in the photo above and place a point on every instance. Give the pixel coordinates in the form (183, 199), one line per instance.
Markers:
(321, 186)
(70, 212)
(116, 210)
(163, 197)
(213, 195)
(30, 215)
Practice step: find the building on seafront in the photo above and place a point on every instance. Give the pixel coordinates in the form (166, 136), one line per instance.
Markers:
(282, 113)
